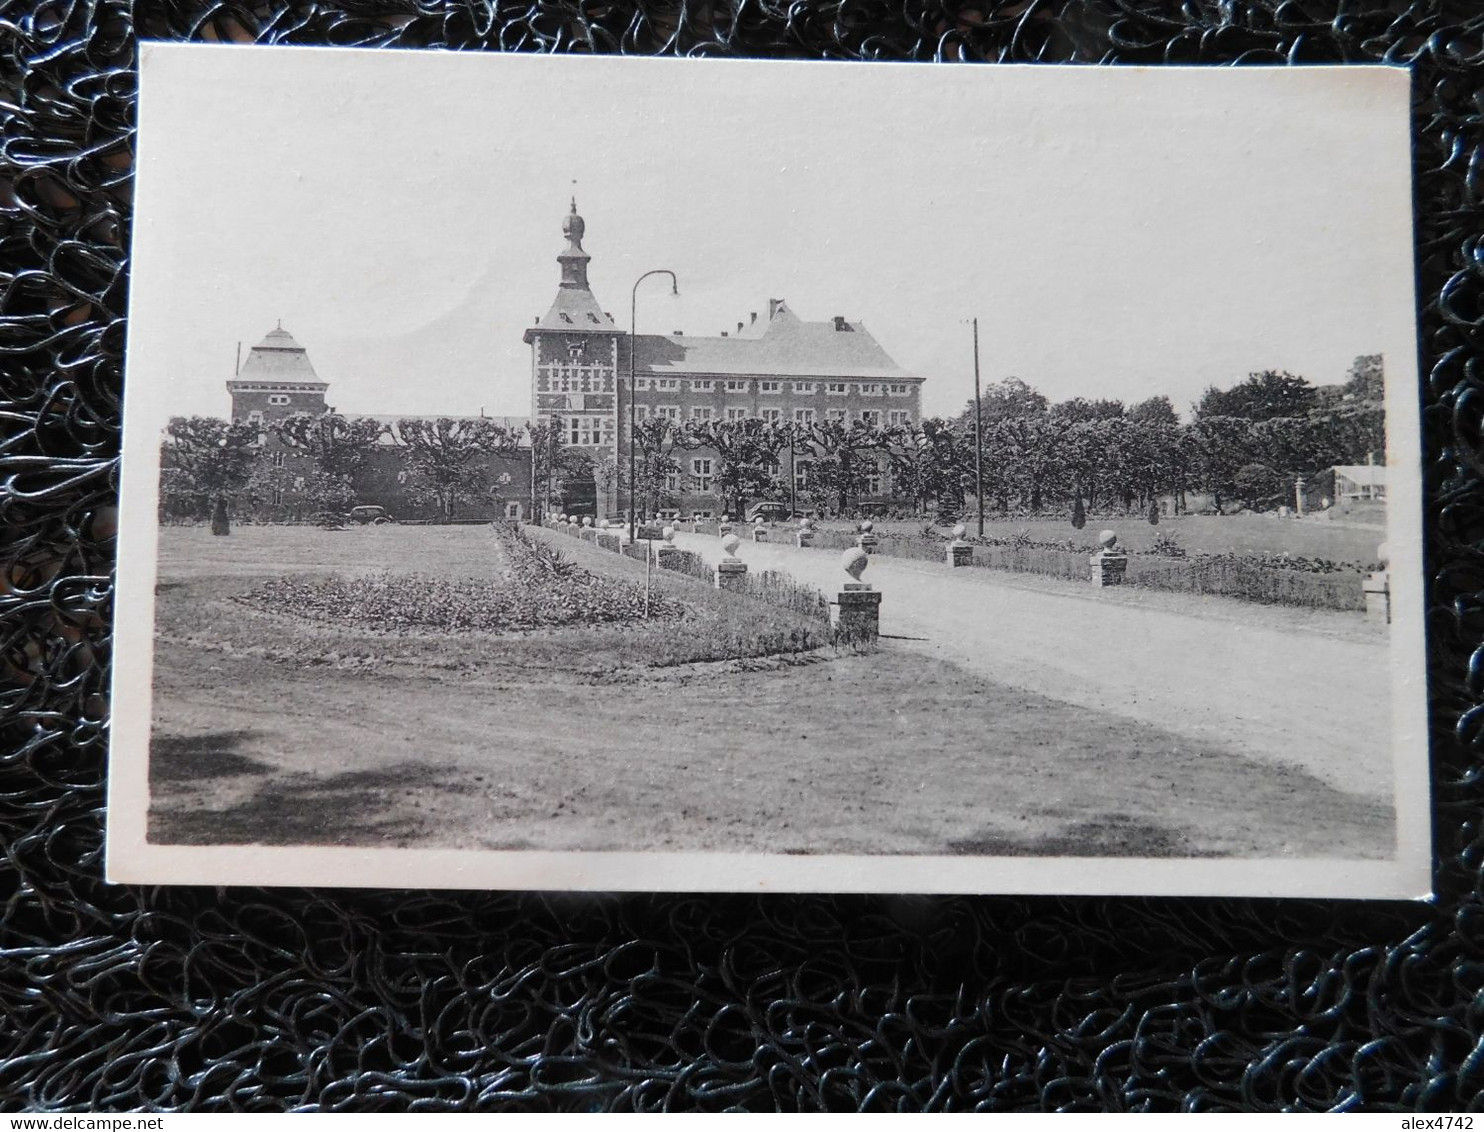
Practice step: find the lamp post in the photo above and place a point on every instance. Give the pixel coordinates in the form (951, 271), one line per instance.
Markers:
(633, 351)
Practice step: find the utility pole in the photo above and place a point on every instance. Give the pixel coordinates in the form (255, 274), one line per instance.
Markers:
(978, 435)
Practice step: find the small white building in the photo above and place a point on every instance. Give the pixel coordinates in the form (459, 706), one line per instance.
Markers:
(1359, 482)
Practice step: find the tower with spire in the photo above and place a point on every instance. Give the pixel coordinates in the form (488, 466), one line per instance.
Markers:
(575, 351)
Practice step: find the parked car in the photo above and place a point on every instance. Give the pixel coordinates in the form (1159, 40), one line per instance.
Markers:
(769, 512)
(370, 514)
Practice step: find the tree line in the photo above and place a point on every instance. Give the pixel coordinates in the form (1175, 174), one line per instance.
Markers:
(209, 466)
(1245, 444)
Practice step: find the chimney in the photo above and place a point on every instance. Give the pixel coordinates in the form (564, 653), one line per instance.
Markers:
(677, 334)
(773, 308)
(839, 322)
(723, 333)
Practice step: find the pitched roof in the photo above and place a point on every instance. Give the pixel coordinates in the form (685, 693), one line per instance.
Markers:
(784, 345)
(575, 308)
(277, 358)
(1363, 475)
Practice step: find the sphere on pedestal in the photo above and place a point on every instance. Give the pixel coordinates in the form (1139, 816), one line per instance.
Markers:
(1107, 539)
(668, 534)
(959, 530)
(1383, 554)
(855, 560)
(730, 545)
(866, 526)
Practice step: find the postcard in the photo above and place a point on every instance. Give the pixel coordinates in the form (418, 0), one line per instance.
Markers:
(618, 474)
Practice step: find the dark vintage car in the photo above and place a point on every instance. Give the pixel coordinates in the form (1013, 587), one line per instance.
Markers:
(769, 512)
(370, 514)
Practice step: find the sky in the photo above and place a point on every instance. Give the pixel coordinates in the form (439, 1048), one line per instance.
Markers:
(1118, 233)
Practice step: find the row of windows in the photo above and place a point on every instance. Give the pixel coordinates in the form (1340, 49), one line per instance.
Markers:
(590, 432)
(730, 385)
(872, 417)
(574, 379)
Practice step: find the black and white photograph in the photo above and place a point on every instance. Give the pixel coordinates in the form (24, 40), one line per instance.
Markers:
(617, 474)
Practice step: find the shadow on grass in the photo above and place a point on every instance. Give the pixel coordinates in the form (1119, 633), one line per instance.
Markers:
(190, 758)
(1117, 835)
(353, 808)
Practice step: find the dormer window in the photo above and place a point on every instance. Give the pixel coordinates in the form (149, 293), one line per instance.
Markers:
(593, 318)
(566, 317)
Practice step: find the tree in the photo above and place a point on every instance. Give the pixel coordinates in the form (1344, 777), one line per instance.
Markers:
(1156, 410)
(340, 446)
(1366, 380)
(205, 464)
(608, 475)
(1085, 409)
(450, 456)
(845, 457)
(655, 441)
(1215, 448)
(747, 464)
(548, 465)
(1257, 484)
(926, 462)
(1271, 393)
(1079, 516)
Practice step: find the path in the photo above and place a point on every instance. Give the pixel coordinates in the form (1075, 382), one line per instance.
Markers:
(1317, 702)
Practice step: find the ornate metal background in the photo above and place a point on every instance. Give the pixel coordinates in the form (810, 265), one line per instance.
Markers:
(199, 998)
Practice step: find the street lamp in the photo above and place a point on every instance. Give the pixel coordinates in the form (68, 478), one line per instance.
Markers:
(633, 351)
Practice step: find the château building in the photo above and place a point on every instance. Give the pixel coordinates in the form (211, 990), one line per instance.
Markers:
(773, 365)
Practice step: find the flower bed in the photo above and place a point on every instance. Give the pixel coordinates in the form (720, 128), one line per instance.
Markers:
(550, 591)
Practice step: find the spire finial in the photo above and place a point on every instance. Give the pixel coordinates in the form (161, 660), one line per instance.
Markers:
(280, 324)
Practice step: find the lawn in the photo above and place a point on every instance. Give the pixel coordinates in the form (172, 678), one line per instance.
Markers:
(274, 729)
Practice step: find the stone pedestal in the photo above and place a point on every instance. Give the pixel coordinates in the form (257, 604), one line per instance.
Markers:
(724, 529)
(866, 542)
(856, 613)
(960, 554)
(759, 534)
(1108, 568)
(1377, 588)
(731, 574)
(665, 556)
(608, 541)
(804, 538)
(589, 534)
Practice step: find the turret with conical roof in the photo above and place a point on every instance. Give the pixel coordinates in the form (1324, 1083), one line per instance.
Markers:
(276, 381)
